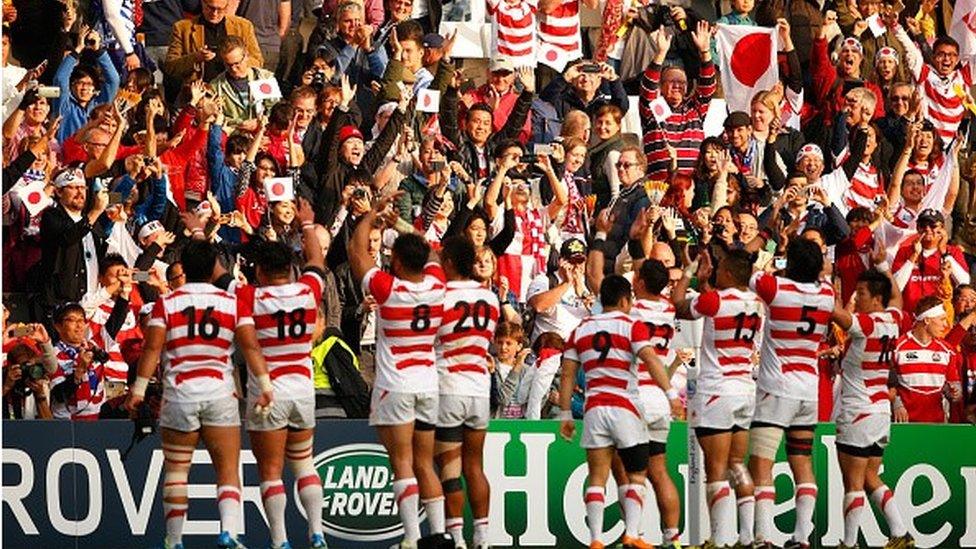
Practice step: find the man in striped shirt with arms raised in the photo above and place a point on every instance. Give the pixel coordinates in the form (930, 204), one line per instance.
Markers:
(405, 397)
(611, 346)
(799, 307)
(721, 410)
(470, 315)
(863, 409)
(683, 130)
(284, 313)
(194, 329)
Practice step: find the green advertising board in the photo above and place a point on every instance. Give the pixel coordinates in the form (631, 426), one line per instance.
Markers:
(537, 481)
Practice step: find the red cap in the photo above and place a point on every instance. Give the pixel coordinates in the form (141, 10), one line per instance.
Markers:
(347, 132)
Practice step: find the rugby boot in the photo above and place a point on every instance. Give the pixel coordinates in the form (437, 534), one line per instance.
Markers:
(903, 542)
(793, 544)
(635, 543)
(596, 545)
(317, 541)
(166, 545)
(225, 541)
(284, 545)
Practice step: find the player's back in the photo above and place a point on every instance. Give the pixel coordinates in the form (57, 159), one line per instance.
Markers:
(865, 368)
(471, 312)
(200, 320)
(284, 318)
(797, 318)
(733, 320)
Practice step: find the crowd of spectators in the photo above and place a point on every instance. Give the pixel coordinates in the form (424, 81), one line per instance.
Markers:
(135, 122)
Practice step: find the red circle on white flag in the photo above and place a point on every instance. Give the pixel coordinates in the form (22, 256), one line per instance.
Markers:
(551, 55)
(658, 110)
(278, 189)
(750, 58)
(265, 88)
(426, 100)
(34, 198)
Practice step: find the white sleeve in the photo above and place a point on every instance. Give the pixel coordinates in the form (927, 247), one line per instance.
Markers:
(541, 382)
(113, 15)
(913, 57)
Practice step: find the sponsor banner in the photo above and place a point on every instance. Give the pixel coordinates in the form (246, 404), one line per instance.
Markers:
(73, 485)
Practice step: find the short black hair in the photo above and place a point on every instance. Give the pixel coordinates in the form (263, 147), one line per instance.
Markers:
(613, 290)
(860, 213)
(804, 260)
(739, 264)
(479, 107)
(236, 144)
(275, 258)
(63, 309)
(957, 291)
(171, 268)
(461, 253)
(504, 145)
(109, 261)
(412, 251)
(654, 275)
(945, 40)
(877, 284)
(199, 258)
(410, 30)
(82, 70)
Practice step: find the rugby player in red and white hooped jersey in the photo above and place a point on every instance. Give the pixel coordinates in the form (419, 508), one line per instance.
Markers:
(657, 313)
(284, 312)
(404, 404)
(194, 330)
(798, 313)
(611, 346)
(471, 313)
(924, 365)
(863, 409)
(721, 411)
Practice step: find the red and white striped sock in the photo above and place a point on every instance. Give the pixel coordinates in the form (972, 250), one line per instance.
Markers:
(435, 514)
(480, 532)
(765, 499)
(455, 527)
(853, 506)
(595, 503)
(633, 506)
(721, 512)
(229, 505)
(884, 498)
(177, 462)
(273, 496)
(806, 502)
(407, 495)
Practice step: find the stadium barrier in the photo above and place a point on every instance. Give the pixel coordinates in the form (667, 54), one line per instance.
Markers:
(69, 484)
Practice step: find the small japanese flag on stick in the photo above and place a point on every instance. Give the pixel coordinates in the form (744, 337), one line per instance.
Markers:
(429, 101)
(553, 56)
(661, 110)
(279, 189)
(265, 89)
(33, 196)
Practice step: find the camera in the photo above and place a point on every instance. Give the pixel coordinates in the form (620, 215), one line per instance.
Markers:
(527, 159)
(437, 165)
(779, 263)
(99, 355)
(318, 80)
(359, 193)
(33, 371)
(660, 16)
(49, 92)
(590, 68)
(542, 148)
(718, 229)
(140, 276)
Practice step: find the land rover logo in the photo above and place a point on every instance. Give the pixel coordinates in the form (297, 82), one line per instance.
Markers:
(358, 501)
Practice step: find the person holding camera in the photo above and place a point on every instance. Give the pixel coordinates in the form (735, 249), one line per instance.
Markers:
(586, 86)
(78, 382)
(29, 358)
(83, 85)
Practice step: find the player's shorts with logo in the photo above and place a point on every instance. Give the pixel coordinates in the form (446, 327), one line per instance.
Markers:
(605, 426)
(190, 416)
(784, 411)
(294, 414)
(470, 411)
(392, 408)
(721, 412)
(862, 429)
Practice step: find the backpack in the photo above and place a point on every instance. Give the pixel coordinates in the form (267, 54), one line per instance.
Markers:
(341, 365)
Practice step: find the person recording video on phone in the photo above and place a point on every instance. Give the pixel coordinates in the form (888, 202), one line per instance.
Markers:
(586, 86)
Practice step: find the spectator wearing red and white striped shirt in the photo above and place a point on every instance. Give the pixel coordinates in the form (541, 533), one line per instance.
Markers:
(559, 26)
(405, 397)
(799, 307)
(683, 130)
(285, 314)
(471, 312)
(513, 24)
(722, 409)
(111, 328)
(863, 409)
(194, 330)
(610, 347)
(924, 365)
(943, 84)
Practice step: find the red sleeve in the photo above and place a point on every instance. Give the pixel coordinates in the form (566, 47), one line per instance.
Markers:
(314, 282)
(125, 151)
(766, 287)
(380, 285)
(639, 333)
(952, 375)
(245, 304)
(904, 252)
(707, 304)
(865, 323)
(956, 254)
(824, 72)
(435, 270)
(862, 237)
(955, 336)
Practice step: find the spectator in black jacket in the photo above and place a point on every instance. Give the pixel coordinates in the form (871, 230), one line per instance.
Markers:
(72, 242)
(586, 86)
(475, 146)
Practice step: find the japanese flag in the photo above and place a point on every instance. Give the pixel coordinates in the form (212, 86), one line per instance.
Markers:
(264, 89)
(661, 110)
(33, 197)
(747, 62)
(876, 26)
(429, 101)
(963, 27)
(553, 56)
(279, 189)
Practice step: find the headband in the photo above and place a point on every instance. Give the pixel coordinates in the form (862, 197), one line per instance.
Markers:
(934, 312)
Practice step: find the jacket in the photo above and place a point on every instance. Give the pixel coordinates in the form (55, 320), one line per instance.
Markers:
(223, 181)
(63, 256)
(465, 152)
(562, 96)
(236, 112)
(73, 115)
(188, 38)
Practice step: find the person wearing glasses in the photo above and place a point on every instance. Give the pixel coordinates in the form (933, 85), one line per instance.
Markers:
(87, 79)
(632, 199)
(195, 42)
(233, 85)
